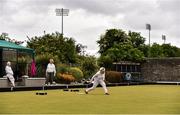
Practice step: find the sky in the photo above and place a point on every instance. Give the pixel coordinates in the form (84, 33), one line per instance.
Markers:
(89, 19)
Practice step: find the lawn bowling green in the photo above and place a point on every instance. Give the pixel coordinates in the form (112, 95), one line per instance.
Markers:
(140, 99)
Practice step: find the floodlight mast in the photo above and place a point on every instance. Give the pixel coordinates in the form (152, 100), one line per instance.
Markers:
(148, 27)
(62, 12)
(164, 38)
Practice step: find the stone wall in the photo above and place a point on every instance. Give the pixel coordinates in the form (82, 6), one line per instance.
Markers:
(33, 82)
(164, 69)
(4, 82)
(27, 82)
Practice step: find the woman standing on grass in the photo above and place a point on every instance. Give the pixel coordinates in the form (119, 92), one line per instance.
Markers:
(98, 78)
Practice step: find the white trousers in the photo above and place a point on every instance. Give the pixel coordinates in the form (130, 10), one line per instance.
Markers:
(11, 78)
(96, 83)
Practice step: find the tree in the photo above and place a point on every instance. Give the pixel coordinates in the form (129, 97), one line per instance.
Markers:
(80, 49)
(156, 50)
(116, 46)
(56, 45)
(164, 50)
(170, 51)
(4, 36)
(111, 37)
(105, 61)
(124, 52)
(88, 65)
(136, 39)
(144, 49)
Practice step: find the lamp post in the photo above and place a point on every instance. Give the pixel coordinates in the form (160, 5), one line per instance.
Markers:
(164, 38)
(148, 27)
(62, 12)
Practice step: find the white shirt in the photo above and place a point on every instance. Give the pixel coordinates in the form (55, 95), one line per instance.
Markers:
(9, 70)
(98, 76)
(51, 68)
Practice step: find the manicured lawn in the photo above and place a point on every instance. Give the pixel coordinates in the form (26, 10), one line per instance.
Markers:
(146, 99)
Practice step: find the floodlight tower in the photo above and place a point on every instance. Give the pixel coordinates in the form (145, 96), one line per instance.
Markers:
(148, 27)
(164, 38)
(62, 12)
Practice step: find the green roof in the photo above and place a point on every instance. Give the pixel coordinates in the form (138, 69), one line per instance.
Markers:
(10, 45)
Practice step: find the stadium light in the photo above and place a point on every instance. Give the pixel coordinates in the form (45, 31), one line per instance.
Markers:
(62, 12)
(164, 38)
(148, 27)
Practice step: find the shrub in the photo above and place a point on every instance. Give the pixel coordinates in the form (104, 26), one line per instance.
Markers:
(114, 77)
(76, 72)
(88, 65)
(64, 78)
(62, 68)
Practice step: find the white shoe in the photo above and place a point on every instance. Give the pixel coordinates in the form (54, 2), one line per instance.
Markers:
(11, 88)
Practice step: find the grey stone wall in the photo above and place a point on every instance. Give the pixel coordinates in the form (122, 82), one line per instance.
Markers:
(32, 82)
(4, 82)
(164, 69)
(28, 82)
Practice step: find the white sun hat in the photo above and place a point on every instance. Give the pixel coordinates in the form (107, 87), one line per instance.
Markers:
(102, 69)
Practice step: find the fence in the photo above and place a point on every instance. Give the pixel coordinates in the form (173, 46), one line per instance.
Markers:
(133, 69)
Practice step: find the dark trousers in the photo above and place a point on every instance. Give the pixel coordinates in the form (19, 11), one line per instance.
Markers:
(49, 77)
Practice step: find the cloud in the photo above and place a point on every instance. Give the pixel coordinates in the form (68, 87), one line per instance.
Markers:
(88, 19)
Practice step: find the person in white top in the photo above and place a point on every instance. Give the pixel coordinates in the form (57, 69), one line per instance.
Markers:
(50, 72)
(98, 78)
(9, 74)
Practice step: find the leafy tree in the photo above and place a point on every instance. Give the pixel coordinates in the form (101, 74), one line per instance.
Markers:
(170, 51)
(136, 39)
(156, 50)
(80, 49)
(144, 49)
(125, 52)
(116, 46)
(54, 44)
(105, 61)
(135, 55)
(4, 36)
(88, 65)
(111, 37)
(139, 42)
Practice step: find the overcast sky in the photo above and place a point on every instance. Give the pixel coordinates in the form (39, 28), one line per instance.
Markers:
(88, 19)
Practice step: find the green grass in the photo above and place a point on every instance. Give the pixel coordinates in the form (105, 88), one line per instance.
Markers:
(146, 99)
